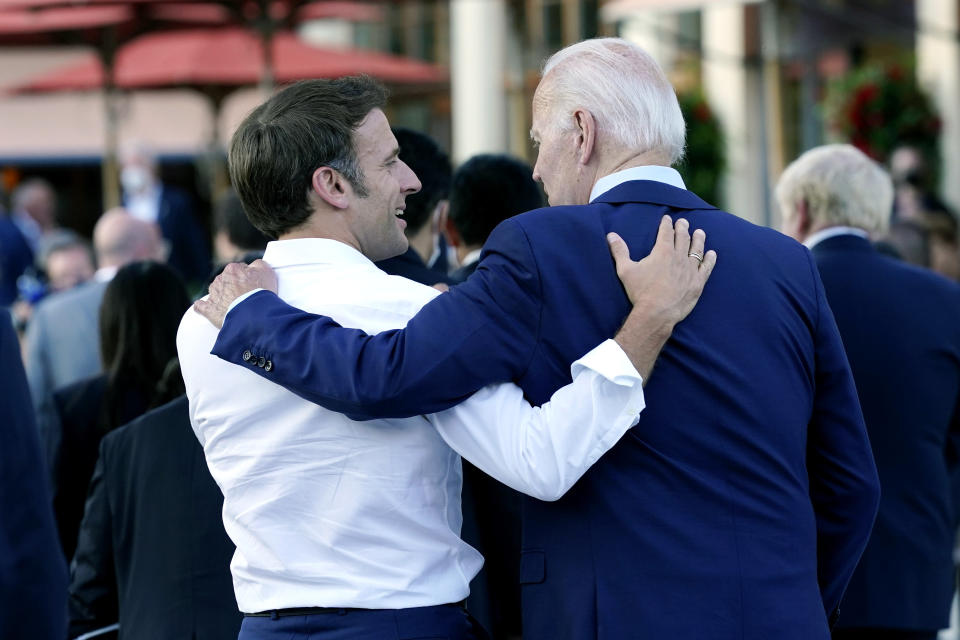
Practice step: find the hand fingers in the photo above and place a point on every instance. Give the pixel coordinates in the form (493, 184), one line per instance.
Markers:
(619, 250)
(709, 261)
(681, 236)
(697, 241)
(665, 232)
(258, 265)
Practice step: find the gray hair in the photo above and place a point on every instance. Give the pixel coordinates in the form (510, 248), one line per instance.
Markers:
(624, 89)
(840, 186)
(60, 240)
(26, 190)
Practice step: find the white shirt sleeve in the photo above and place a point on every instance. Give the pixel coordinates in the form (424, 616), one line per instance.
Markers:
(543, 451)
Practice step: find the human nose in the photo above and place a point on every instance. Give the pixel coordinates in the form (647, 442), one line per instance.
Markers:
(411, 184)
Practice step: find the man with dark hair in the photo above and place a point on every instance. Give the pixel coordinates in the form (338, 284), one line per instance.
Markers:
(487, 189)
(350, 529)
(276, 194)
(425, 209)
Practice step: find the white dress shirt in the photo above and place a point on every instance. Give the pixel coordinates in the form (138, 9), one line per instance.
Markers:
(330, 512)
(656, 173)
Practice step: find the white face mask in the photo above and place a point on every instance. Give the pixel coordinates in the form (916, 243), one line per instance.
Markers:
(134, 179)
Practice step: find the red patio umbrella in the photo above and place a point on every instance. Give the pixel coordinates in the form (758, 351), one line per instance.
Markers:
(216, 61)
(227, 57)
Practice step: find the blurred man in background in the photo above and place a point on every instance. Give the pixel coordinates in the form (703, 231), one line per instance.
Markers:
(150, 200)
(234, 235)
(486, 190)
(33, 210)
(899, 327)
(65, 259)
(62, 344)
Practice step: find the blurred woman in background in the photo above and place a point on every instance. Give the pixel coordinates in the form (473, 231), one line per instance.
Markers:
(139, 316)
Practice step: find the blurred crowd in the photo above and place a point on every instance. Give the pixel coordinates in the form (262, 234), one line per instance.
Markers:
(136, 513)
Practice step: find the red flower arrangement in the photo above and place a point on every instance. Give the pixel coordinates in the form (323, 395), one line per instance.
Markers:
(878, 109)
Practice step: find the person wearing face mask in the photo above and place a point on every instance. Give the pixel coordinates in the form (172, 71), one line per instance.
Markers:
(146, 197)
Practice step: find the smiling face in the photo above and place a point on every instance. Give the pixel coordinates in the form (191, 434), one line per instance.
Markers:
(375, 222)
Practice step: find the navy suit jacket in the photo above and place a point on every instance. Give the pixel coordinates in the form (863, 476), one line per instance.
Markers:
(901, 328)
(152, 538)
(33, 574)
(411, 266)
(739, 504)
(15, 257)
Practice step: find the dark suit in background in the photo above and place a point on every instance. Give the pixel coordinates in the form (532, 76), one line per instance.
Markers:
(79, 416)
(901, 329)
(189, 242)
(738, 506)
(411, 266)
(33, 575)
(15, 257)
(152, 537)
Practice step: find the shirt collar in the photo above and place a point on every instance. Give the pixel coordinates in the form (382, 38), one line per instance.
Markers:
(288, 253)
(667, 175)
(816, 238)
(471, 257)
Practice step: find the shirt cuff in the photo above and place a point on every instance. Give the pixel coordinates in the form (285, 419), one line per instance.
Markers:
(609, 360)
(241, 299)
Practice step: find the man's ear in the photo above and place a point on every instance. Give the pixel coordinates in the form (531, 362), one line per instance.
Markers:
(450, 230)
(804, 224)
(440, 215)
(585, 130)
(332, 187)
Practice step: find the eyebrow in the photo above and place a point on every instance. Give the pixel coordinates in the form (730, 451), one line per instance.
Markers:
(393, 154)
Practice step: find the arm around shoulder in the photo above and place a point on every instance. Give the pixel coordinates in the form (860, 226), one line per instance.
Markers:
(480, 332)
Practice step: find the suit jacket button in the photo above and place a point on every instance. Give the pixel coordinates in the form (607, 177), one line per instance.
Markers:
(261, 362)
(247, 355)
(268, 366)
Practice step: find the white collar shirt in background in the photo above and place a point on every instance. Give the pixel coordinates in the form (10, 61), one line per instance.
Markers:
(816, 238)
(470, 258)
(329, 512)
(656, 173)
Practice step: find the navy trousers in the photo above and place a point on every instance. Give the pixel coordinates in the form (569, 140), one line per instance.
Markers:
(443, 622)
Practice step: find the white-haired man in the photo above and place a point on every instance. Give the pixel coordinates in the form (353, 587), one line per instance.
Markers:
(739, 505)
(899, 327)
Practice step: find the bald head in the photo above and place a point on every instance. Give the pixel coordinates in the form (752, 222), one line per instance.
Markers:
(120, 239)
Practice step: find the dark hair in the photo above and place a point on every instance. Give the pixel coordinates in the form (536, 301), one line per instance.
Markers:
(139, 316)
(432, 167)
(230, 217)
(277, 148)
(488, 189)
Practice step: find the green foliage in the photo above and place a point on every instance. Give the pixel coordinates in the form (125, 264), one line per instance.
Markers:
(879, 108)
(704, 162)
